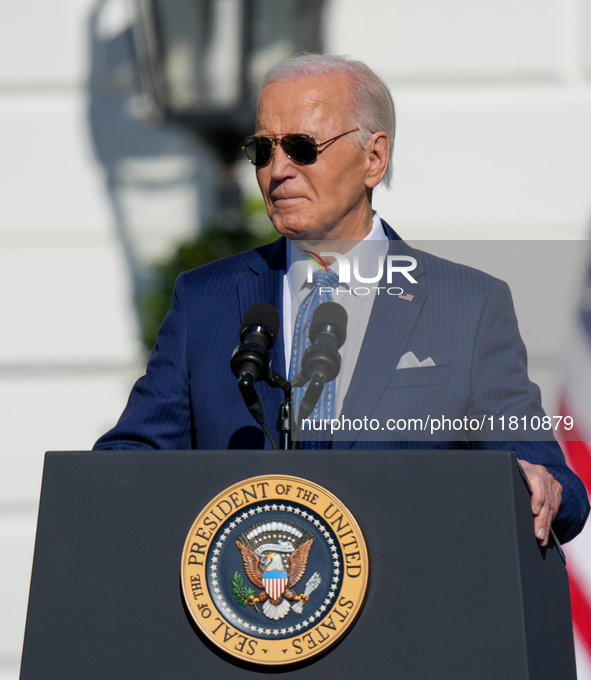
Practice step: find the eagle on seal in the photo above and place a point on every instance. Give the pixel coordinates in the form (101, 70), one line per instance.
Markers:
(274, 581)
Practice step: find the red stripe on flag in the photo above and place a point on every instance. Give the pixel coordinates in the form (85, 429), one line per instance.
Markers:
(581, 609)
(578, 454)
(579, 459)
(578, 451)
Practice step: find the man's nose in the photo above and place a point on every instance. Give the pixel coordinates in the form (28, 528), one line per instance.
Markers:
(281, 165)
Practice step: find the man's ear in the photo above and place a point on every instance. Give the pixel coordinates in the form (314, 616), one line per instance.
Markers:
(378, 156)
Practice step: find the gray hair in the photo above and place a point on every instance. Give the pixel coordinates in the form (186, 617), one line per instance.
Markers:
(371, 99)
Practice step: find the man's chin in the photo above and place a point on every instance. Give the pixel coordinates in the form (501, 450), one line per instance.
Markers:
(299, 231)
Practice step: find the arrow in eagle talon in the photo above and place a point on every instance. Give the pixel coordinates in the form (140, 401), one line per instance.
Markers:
(313, 582)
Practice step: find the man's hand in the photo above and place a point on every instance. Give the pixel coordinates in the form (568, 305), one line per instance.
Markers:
(545, 500)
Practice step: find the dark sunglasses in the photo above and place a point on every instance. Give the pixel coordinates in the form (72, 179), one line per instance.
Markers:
(301, 149)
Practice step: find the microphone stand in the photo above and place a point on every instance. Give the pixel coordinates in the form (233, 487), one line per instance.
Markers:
(284, 418)
(299, 381)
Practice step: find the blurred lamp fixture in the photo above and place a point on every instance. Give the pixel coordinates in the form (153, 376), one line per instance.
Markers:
(199, 59)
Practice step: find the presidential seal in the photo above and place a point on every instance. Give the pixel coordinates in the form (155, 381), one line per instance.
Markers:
(274, 570)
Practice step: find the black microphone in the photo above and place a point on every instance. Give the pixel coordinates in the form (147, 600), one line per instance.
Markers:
(250, 360)
(321, 362)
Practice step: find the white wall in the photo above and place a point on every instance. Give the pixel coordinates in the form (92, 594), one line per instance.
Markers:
(494, 141)
(494, 112)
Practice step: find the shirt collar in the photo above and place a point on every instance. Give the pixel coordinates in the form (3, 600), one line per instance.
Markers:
(297, 261)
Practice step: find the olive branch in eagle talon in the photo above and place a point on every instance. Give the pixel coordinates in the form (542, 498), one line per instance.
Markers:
(242, 593)
(255, 568)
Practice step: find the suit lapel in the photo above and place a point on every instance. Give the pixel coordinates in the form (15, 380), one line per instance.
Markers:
(263, 282)
(391, 323)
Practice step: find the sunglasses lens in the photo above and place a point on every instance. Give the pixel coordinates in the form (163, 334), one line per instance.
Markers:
(300, 148)
(258, 150)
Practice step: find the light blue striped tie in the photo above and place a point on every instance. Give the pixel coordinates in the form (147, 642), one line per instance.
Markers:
(325, 408)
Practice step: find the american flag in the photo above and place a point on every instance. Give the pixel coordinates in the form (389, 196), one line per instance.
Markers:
(576, 403)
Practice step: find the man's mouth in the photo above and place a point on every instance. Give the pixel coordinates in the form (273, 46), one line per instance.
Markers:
(285, 198)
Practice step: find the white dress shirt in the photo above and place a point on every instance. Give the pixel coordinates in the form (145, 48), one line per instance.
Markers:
(357, 298)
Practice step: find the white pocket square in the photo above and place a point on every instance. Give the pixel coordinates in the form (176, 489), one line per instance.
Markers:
(409, 360)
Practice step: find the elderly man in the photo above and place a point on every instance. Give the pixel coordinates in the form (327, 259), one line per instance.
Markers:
(324, 133)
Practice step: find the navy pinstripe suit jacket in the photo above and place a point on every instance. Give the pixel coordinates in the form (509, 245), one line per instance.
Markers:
(461, 317)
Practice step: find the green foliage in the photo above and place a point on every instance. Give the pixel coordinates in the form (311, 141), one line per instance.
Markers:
(239, 590)
(211, 244)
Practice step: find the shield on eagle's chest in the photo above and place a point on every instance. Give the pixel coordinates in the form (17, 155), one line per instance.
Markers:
(275, 583)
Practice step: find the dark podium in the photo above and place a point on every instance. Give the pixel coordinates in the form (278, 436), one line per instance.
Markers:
(458, 586)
